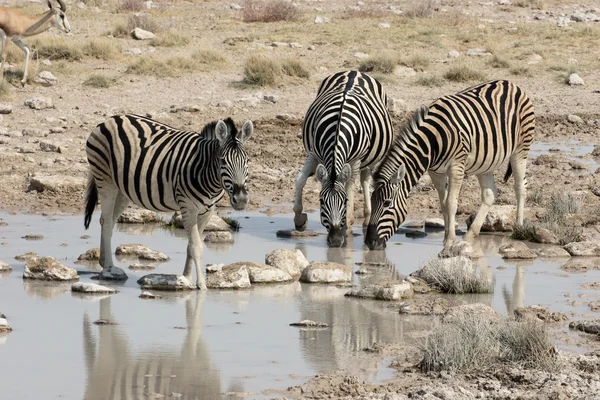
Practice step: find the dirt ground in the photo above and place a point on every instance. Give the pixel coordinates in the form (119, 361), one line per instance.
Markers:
(525, 43)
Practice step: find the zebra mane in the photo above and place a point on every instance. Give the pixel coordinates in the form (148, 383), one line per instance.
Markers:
(208, 131)
(410, 127)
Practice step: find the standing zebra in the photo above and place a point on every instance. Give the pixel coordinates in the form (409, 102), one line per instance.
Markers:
(136, 159)
(472, 132)
(347, 128)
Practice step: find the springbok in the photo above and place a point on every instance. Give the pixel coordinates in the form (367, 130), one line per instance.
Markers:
(15, 25)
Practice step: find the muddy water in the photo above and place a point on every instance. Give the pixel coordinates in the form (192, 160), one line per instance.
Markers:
(219, 344)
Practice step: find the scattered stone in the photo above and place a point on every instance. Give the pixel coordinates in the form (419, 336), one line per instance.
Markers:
(291, 261)
(534, 59)
(594, 306)
(579, 17)
(148, 295)
(436, 223)
(49, 147)
(90, 255)
(39, 103)
(577, 265)
(361, 56)
(135, 51)
(575, 80)
(138, 216)
(111, 274)
(464, 249)
(453, 54)
(85, 287)
(271, 98)
(588, 249)
(261, 273)
(58, 129)
(292, 233)
(540, 313)
(404, 72)
(233, 276)
(415, 234)
(543, 235)
(210, 268)
(141, 267)
(104, 322)
(225, 104)
(140, 34)
(321, 20)
(383, 25)
(140, 251)
(307, 323)
(165, 282)
(516, 251)
(285, 117)
(34, 132)
(482, 311)
(5, 109)
(576, 119)
(57, 183)
(234, 6)
(215, 223)
(326, 272)
(5, 267)
(500, 218)
(562, 22)
(218, 237)
(591, 286)
(4, 327)
(478, 52)
(46, 78)
(588, 326)
(387, 290)
(32, 237)
(554, 251)
(27, 256)
(48, 269)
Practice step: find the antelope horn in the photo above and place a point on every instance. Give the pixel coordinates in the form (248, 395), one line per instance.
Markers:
(63, 7)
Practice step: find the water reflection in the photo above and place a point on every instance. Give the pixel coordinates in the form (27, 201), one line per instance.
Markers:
(45, 290)
(116, 371)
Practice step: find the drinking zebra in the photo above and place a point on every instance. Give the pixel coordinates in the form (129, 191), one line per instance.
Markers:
(347, 128)
(472, 132)
(136, 159)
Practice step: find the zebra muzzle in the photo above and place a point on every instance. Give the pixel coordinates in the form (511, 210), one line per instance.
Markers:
(336, 236)
(372, 239)
(239, 199)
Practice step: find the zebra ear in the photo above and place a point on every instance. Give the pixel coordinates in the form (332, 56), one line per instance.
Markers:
(321, 173)
(246, 131)
(345, 174)
(221, 132)
(398, 176)
(49, 4)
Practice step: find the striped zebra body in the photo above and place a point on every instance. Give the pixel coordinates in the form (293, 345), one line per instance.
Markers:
(346, 129)
(472, 132)
(136, 159)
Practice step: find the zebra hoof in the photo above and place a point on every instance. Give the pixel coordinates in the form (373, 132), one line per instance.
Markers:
(301, 221)
(201, 286)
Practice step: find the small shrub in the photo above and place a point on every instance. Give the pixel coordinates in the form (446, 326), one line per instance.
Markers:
(261, 71)
(382, 64)
(170, 39)
(99, 81)
(269, 11)
(463, 73)
(520, 71)
(365, 11)
(120, 30)
(169, 68)
(209, 57)
(416, 62)
(535, 197)
(560, 205)
(421, 9)
(456, 275)
(526, 231)
(537, 4)
(130, 5)
(498, 62)
(295, 68)
(526, 343)
(57, 50)
(142, 21)
(430, 81)
(101, 49)
(93, 3)
(5, 90)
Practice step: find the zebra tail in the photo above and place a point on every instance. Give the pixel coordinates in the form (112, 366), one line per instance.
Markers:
(508, 173)
(91, 199)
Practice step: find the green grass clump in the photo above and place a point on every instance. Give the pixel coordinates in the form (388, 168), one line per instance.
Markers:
(99, 81)
(463, 73)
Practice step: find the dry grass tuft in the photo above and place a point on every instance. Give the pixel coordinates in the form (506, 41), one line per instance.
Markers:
(384, 64)
(269, 11)
(537, 4)
(129, 5)
(430, 81)
(171, 39)
(171, 67)
(209, 58)
(99, 81)
(470, 343)
(498, 62)
(142, 21)
(417, 62)
(295, 68)
(463, 73)
(120, 30)
(521, 71)
(5, 91)
(261, 71)
(102, 49)
(53, 49)
(421, 9)
(456, 275)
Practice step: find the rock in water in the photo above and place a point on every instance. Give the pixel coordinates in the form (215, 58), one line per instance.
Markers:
(148, 295)
(292, 233)
(4, 327)
(165, 282)
(26, 256)
(387, 290)
(138, 216)
(588, 326)
(261, 273)
(291, 261)
(48, 269)
(479, 310)
(307, 323)
(140, 251)
(516, 251)
(234, 276)
(500, 218)
(111, 274)
(4, 267)
(587, 249)
(218, 237)
(90, 255)
(326, 272)
(90, 288)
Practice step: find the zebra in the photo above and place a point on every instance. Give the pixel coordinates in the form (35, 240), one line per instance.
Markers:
(471, 132)
(347, 128)
(136, 159)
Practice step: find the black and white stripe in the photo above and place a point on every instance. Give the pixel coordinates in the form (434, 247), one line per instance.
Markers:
(136, 159)
(346, 129)
(472, 132)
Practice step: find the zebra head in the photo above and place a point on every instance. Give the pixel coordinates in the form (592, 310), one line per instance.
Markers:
(388, 209)
(233, 160)
(334, 201)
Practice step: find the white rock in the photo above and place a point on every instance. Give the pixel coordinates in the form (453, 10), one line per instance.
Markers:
(210, 268)
(575, 80)
(46, 78)
(48, 269)
(586, 249)
(478, 52)
(261, 273)
(295, 45)
(218, 237)
(5, 109)
(39, 103)
(165, 282)
(553, 251)
(405, 72)
(5, 267)
(4, 327)
(90, 255)
(85, 287)
(326, 272)
(516, 251)
(291, 261)
(47, 63)
(148, 295)
(271, 98)
(464, 249)
(434, 223)
(141, 251)
(388, 290)
(383, 25)
(563, 22)
(234, 276)
(579, 17)
(135, 51)
(500, 218)
(138, 216)
(361, 55)
(453, 54)
(234, 6)
(49, 147)
(321, 20)
(481, 311)
(576, 119)
(534, 59)
(140, 34)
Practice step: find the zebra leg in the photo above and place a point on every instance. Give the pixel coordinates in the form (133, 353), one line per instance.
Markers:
(365, 181)
(194, 248)
(440, 182)
(110, 203)
(518, 164)
(456, 174)
(488, 193)
(350, 193)
(300, 218)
